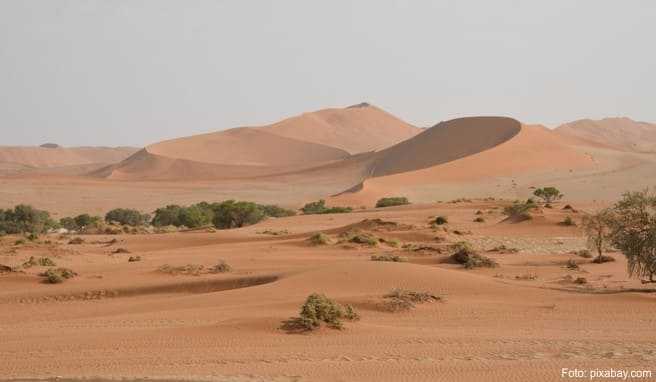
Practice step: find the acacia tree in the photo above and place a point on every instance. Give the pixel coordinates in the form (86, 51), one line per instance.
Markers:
(597, 228)
(633, 232)
(548, 195)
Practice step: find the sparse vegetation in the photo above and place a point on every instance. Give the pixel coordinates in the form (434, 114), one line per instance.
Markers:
(133, 259)
(188, 270)
(359, 237)
(548, 195)
(584, 253)
(221, 267)
(568, 221)
(319, 207)
(41, 262)
(479, 220)
(464, 254)
(519, 211)
(440, 220)
(57, 275)
(402, 299)
(76, 241)
(273, 232)
(572, 264)
(503, 249)
(392, 201)
(319, 238)
(120, 250)
(317, 310)
(392, 258)
(580, 280)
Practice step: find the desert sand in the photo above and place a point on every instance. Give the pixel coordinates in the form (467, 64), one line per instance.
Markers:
(524, 320)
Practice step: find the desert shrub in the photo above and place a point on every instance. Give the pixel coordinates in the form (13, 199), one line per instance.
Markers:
(189, 269)
(440, 220)
(319, 309)
(479, 220)
(76, 241)
(527, 277)
(133, 259)
(548, 194)
(568, 222)
(361, 238)
(57, 275)
(25, 219)
(392, 201)
(479, 212)
(571, 264)
(319, 239)
(42, 262)
(19, 242)
(391, 258)
(319, 207)
(273, 232)
(519, 211)
(167, 216)
(401, 299)
(236, 214)
(274, 211)
(126, 216)
(504, 249)
(68, 223)
(221, 267)
(121, 250)
(603, 259)
(464, 254)
(581, 280)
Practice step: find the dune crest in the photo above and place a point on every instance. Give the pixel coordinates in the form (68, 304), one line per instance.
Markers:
(620, 133)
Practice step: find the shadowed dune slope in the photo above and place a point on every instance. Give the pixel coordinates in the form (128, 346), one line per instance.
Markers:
(445, 142)
(44, 157)
(356, 129)
(619, 133)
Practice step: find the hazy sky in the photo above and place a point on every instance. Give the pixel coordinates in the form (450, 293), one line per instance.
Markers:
(134, 72)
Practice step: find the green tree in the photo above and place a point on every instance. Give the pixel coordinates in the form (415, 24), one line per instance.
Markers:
(633, 232)
(234, 214)
(127, 216)
(597, 228)
(548, 194)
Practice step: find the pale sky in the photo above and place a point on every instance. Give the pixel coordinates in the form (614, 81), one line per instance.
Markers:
(134, 72)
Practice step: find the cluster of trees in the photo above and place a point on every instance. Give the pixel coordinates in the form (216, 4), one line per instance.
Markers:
(224, 215)
(320, 207)
(25, 219)
(392, 201)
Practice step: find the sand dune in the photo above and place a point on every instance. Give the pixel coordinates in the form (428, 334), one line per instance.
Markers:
(55, 157)
(620, 133)
(356, 129)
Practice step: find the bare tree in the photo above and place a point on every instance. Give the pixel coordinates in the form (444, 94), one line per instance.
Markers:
(597, 228)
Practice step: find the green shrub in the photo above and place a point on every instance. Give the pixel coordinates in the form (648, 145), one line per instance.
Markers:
(519, 211)
(319, 207)
(358, 237)
(441, 220)
(25, 219)
(392, 201)
(548, 194)
(319, 309)
(235, 214)
(391, 258)
(276, 211)
(126, 216)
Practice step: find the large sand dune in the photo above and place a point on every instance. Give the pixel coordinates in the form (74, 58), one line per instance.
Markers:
(620, 133)
(356, 129)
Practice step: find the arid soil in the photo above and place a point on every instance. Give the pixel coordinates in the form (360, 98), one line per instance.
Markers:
(523, 320)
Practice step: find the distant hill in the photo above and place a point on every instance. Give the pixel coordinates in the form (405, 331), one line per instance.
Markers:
(620, 133)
